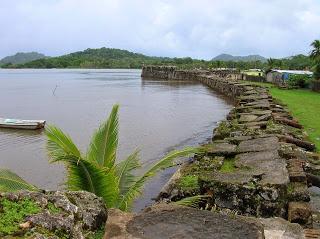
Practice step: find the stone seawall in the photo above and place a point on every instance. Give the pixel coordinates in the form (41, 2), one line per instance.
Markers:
(215, 79)
(256, 162)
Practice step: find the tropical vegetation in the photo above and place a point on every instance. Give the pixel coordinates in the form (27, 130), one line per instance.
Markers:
(315, 56)
(116, 58)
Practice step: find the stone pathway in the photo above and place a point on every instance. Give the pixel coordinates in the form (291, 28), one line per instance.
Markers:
(258, 163)
(263, 151)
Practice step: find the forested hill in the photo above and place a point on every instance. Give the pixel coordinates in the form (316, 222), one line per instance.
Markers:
(227, 57)
(95, 58)
(21, 58)
(116, 58)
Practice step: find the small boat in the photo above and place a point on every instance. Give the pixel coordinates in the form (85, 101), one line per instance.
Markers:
(22, 124)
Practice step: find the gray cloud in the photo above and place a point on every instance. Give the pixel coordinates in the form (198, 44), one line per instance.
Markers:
(200, 29)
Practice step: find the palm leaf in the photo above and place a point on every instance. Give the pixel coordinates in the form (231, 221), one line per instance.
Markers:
(124, 172)
(193, 201)
(88, 176)
(10, 182)
(104, 143)
(60, 144)
(136, 189)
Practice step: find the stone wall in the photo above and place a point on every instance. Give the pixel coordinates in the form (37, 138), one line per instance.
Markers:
(223, 81)
(255, 163)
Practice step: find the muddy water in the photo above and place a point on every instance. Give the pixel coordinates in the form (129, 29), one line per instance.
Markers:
(155, 116)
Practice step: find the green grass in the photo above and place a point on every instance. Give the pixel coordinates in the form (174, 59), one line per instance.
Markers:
(13, 213)
(53, 209)
(188, 182)
(228, 166)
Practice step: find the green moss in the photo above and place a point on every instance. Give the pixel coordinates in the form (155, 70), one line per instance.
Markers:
(225, 128)
(251, 185)
(13, 213)
(290, 188)
(53, 209)
(228, 166)
(43, 231)
(98, 234)
(188, 183)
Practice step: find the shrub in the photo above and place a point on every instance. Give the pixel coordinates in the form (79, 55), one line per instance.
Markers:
(299, 81)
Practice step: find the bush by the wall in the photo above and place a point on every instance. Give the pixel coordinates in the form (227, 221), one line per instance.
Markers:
(299, 81)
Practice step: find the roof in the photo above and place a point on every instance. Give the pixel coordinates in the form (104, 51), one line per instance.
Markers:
(297, 72)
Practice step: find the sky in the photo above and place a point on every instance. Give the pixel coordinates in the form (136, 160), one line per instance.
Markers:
(176, 28)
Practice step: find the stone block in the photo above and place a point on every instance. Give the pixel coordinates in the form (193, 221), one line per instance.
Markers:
(259, 144)
(299, 212)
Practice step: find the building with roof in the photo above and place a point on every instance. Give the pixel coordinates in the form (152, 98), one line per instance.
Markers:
(279, 77)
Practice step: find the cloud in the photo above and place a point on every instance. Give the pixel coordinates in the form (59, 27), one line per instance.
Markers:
(200, 29)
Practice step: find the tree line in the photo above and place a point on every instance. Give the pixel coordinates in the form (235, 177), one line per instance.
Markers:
(116, 58)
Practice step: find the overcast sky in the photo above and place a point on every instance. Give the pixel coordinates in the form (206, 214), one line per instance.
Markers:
(196, 28)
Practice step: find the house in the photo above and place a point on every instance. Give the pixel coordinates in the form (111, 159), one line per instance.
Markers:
(279, 77)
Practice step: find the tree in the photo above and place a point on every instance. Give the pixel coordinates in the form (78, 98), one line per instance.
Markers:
(97, 170)
(271, 63)
(315, 56)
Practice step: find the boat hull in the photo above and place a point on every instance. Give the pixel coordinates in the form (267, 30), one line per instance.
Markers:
(22, 124)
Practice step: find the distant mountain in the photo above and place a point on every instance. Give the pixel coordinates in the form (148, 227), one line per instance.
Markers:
(227, 57)
(21, 58)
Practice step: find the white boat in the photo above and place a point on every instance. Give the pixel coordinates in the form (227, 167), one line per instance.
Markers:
(22, 124)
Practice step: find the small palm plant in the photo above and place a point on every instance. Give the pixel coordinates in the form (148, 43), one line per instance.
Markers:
(315, 56)
(97, 170)
(10, 182)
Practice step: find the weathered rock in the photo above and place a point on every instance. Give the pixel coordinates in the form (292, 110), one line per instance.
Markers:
(238, 139)
(298, 192)
(296, 172)
(176, 222)
(299, 212)
(278, 228)
(116, 226)
(221, 149)
(247, 118)
(301, 143)
(259, 144)
(267, 164)
(76, 214)
(312, 233)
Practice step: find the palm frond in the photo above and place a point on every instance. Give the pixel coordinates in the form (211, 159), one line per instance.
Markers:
(104, 143)
(10, 182)
(136, 189)
(193, 201)
(88, 176)
(60, 144)
(124, 172)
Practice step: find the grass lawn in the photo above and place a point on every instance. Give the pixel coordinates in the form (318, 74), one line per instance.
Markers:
(253, 73)
(304, 106)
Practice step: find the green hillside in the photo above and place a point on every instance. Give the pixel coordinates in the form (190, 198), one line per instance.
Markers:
(227, 57)
(95, 58)
(21, 58)
(116, 58)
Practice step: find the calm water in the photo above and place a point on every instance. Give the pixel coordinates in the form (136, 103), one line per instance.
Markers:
(155, 116)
